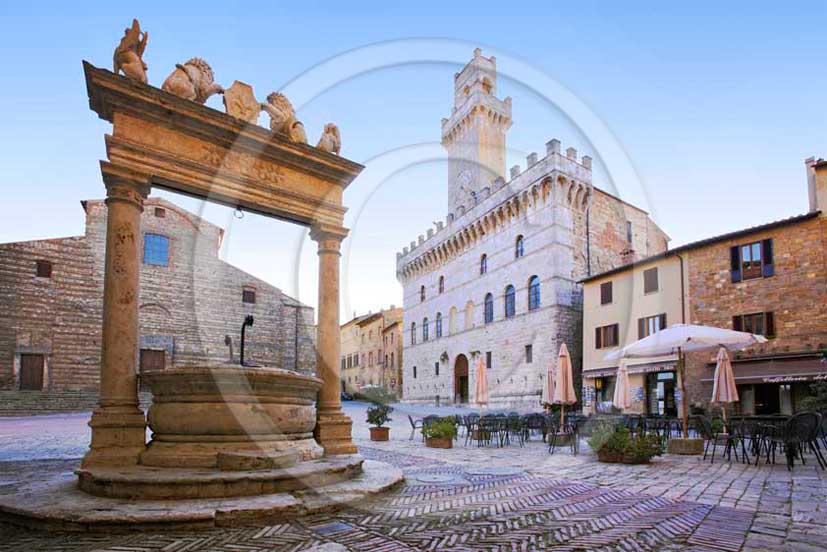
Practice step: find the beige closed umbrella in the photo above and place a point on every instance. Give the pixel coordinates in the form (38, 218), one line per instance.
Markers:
(564, 383)
(622, 398)
(724, 390)
(481, 387)
(548, 386)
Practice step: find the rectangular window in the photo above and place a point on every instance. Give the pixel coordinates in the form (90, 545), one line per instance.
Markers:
(752, 260)
(650, 324)
(529, 354)
(160, 212)
(650, 280)
(605, 293)
(248, 296)
(44, 269)
(761, 323)
(488, 360)
(629, 231)
(152, 359)
(31, 372)
(414, 372)
(436, 368)
(606, 336)
(156, 250)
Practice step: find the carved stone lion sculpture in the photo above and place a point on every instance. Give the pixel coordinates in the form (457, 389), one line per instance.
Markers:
(283, 117)
(330, 141)
(192, 81)
(128, 56)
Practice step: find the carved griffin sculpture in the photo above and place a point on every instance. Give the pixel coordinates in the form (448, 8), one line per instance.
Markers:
(192, 81)
(330, 141)
(283, 117)
(128, 56)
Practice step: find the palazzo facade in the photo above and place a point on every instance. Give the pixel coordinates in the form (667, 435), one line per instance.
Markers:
(497, 281)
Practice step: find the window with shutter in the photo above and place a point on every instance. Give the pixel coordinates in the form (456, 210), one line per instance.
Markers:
(651, 324)
(650, 280)
(752, 260)
(734, 264)
(761, 323)
(768, 268)
(605, 293)
(606, 336)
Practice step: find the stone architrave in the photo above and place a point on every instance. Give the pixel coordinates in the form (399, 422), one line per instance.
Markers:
(241, 102)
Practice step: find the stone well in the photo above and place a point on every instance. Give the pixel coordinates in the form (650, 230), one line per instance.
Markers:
(202, 413)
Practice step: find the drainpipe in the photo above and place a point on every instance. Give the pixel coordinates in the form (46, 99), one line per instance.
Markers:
(588, 243)
(683, 294)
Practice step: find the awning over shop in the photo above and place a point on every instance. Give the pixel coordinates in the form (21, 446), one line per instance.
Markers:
(645, 368)
(775, 370)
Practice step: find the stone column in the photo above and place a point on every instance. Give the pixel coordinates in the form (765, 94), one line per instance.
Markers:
(333, 428)
(118, 424)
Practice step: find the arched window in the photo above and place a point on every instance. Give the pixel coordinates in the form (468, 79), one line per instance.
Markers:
(519, 247)
(483, 264)
(439, 324)
(442, 284)
(533, 293)
(489, 308)
(509, 301)
(422, 293)
(469, 315)
(425, 329)
(413, 333)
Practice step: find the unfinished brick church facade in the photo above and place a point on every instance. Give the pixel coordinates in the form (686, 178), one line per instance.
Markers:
(496, 282)
(192, 306)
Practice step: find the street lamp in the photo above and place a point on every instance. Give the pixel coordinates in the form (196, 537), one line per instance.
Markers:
(248, 321)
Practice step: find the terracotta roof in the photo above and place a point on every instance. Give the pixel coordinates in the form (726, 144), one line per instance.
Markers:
(705, 242)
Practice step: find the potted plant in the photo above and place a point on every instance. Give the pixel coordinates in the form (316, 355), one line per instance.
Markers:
(617, 445)
(378, 416)
(440, 434)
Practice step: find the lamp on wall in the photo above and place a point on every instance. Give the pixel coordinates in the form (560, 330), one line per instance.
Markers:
(598, 383)
(444, 356)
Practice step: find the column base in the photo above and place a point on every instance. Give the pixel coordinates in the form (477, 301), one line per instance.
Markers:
(118, 437)
(333, 433)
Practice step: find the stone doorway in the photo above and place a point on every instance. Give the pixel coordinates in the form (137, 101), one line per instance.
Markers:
(461, 379)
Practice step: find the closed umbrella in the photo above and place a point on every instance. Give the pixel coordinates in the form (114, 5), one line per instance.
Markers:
(723, 389)
(622, 397)
(548, 385)
(564, 382)
(481, 389)
(681, 339)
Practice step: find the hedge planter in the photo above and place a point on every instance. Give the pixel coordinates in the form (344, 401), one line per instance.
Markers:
(614, 458)
(439, 442)
(379, 433)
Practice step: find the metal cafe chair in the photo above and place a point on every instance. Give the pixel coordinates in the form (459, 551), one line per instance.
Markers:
(415, 424)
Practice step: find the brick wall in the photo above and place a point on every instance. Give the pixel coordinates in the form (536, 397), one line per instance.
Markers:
(796, 294)
(186, 308)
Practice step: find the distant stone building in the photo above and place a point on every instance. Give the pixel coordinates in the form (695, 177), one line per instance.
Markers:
(769, 279)
(498, 279)
(366, 341)
(192, 306)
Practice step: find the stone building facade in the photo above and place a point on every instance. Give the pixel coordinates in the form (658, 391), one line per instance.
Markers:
(192, 305)
(497, 282)
(769, 279)
(364, 347)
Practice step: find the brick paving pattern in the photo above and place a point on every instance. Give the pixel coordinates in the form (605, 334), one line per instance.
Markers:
(513, 498)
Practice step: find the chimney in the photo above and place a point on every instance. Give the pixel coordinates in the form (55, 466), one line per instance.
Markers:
(552, 146)
(817, 184)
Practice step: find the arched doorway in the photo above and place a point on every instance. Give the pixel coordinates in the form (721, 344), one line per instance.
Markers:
(461, 379)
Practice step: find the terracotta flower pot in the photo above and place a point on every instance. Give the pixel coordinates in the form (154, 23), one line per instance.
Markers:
(438, 442)
(379, 433)
(612, 457)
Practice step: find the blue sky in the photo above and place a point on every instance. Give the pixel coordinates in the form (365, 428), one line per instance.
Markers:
(715, 106)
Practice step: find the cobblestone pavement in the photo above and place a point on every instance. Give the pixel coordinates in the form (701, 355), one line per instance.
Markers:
(509, 498)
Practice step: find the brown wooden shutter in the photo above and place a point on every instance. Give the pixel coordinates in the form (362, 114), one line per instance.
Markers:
(663, 321)
(768, 268)
(597, 341)
(769, 324)
(152, 360)
(31, 372)
(735, 263)
(641, 328)
(736, 323)
(613, 329)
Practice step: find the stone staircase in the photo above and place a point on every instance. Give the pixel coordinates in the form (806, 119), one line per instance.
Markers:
(30, 403)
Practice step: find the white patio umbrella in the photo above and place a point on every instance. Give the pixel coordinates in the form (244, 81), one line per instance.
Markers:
(686, 338)
(548, 385)
(622, 398)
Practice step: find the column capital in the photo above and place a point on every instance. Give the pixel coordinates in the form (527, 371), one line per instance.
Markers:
(124, 186)
(326, 232)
